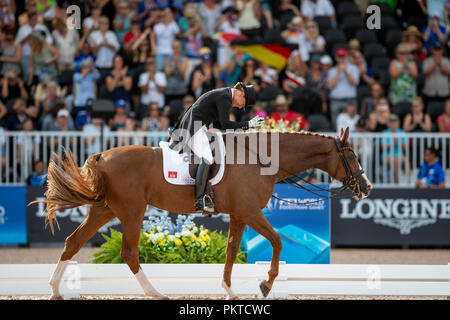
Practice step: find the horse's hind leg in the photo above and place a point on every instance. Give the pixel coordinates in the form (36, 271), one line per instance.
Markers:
(259, 223)
(131, 228)
(235, 231)
(96, 218)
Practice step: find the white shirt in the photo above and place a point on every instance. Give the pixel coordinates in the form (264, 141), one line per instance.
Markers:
(299, 39)
(165, 35)
(89, 23)
(247, 19)
(268, 77)
(152, 94)
(343, 88)
(67, 46)
(343, 121)
(320, 8)
(25, 31)
(105, 54)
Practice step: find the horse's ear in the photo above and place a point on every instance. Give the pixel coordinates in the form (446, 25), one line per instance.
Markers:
(341, 134)
(346, 133)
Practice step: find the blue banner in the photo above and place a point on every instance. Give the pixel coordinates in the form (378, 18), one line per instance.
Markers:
(13, 226)
(304, 228)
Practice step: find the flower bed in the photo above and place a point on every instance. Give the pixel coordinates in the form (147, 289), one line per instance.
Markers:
(162, 241)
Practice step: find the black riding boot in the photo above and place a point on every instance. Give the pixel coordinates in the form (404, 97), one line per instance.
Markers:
(203, 202)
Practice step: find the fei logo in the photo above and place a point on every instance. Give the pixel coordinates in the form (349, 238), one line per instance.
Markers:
(374, 20)
(3, 217)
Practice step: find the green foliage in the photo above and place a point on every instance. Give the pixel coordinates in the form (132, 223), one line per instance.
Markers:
(202, 246)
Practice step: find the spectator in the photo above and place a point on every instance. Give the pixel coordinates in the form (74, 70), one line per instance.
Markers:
(248, 18)
(325, 64)
(10, 53)
(368, 104)
(349, 118)
(122, 20)
(7, 16)
(295, 73)
(313, 8)
(130, 126)
(93, 129)
(313, 40)
(120, 115)
(151, 121)
(42, 60)
(153, 84)
(403, 72)
(17, 114)
(248, 75)
(146, 12)
(353, 49)
(3, 116)
(193, 33)
(23, 38)
(133, 35)
(46, 9)
(342, 82)
(315, 80)
(104, 45)
(366, 76)
(431, 175)
(443, 121)
(226, 24)
(394, 148)
(204, 77)
(12, 87)
(287, 9)
(63, 122)
(435, 31)
(295, 35)
(175, 69)
(143, 48)
(39, 175)
(417, 120)
(66, 42)
(92, 22)
(27, 145)
(379, 118)
(85, 84)
(413, 38)
(268, 75)
(436, 69)
(165, 32)
(119, 81)
(209, 12)
(84, 51)
(285, 119)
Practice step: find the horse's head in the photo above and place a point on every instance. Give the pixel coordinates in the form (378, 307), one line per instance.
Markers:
(344, 166)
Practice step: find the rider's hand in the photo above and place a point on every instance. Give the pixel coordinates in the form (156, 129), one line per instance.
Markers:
(256, 122)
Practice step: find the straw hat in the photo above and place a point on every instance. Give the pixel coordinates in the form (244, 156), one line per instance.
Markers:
(412, 30)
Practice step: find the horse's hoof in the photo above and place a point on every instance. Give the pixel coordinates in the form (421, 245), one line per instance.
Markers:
(53, 297)
(264, 288)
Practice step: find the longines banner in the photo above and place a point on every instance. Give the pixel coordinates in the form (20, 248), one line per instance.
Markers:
(392, 217)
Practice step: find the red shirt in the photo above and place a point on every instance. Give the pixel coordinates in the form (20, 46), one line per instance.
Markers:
(290, 116)
(130, 36)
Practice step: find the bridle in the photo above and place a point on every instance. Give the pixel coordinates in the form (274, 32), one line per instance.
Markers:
(351, 181)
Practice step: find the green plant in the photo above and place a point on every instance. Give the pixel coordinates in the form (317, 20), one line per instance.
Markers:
(163, 242)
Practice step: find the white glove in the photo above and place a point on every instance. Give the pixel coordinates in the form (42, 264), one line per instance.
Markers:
(256, 122)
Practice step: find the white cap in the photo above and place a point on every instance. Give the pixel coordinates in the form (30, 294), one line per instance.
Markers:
(325, 59)
(63, 113)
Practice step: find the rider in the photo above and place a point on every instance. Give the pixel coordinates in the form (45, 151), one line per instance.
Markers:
(212, 107)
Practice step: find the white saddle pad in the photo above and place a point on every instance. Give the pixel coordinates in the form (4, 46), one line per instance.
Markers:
(176, 170)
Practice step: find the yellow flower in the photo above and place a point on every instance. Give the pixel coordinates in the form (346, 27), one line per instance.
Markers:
(192, 237)
(203, 243)
(178, 242)
(185, 240)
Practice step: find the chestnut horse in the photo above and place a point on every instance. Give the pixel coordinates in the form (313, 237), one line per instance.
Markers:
(121, 182)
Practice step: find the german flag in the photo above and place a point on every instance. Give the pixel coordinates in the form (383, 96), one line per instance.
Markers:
(274, 55)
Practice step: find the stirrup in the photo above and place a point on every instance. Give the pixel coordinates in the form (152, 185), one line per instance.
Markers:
(204, 205)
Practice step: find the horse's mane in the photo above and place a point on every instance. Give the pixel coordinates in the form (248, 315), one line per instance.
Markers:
(301, 133)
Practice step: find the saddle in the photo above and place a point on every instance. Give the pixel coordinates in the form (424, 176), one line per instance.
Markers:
(181, 168)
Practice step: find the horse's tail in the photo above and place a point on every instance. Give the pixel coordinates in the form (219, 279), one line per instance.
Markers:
(70, 186)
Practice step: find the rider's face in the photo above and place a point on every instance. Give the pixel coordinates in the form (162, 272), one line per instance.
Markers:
(238, 99)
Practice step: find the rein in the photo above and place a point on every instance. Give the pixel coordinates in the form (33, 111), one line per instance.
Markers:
(350, 182)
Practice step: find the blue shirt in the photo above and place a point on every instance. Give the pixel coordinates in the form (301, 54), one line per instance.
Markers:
(85, 87)
(433, 36)
(431, 175)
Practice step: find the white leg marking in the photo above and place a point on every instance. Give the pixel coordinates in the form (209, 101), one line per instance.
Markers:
(56, 277)
(230, 294)
(147, 286)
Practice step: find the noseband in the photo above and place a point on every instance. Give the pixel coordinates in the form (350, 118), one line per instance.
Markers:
(351, 180)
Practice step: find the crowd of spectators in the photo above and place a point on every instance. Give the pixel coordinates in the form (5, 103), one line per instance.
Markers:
(152, 58)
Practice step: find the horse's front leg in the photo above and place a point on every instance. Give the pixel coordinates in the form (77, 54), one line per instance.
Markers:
(258, 222)
(235, 232)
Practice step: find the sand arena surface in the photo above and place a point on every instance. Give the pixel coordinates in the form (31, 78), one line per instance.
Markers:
(338, 256)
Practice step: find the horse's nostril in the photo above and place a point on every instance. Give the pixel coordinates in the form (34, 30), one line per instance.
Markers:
(369, 187)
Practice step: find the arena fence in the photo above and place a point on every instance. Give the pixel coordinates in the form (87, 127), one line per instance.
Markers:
(396, 167)
(205, 279)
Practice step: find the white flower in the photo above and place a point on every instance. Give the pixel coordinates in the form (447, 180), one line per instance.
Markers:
(171, 237)
(177, 234)
(185, 233)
